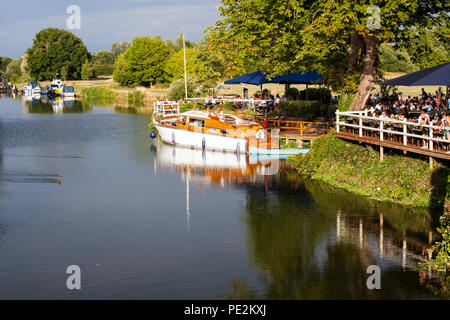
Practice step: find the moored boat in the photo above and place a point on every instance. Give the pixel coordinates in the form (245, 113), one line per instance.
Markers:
(67, 92)
(212, 129)
(56, 87)
(33, 88)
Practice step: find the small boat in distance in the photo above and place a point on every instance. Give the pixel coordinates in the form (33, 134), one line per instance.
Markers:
(67, 92)
(33, 88)
(56, 87)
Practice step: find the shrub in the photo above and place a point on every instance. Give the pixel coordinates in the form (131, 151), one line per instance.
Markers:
(293, 93)
(103, 69)
(308, 110)
(177, 89)
(321, 94)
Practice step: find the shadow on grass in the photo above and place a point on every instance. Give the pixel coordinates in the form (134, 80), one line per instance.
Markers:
(439, 182)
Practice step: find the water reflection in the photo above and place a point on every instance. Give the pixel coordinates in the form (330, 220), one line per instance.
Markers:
(43, 104)
(308, 240)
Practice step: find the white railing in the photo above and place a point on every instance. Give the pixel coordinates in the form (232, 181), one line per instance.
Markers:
(404, 127)
(166, 107)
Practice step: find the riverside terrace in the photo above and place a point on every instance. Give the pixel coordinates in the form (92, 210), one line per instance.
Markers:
(422, 136)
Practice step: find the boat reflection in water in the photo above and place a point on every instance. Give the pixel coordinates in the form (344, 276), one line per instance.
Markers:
(58, 105)
(215, 168)
(308, 239)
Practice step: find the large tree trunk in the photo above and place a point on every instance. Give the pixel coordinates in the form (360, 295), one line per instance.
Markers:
(353, 51)
(368, 73)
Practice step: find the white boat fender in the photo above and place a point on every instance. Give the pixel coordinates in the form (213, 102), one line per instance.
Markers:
(173, 137)
(238, 148)
(203, 143)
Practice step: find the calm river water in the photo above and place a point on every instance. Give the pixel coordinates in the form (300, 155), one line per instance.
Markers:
(144, 220)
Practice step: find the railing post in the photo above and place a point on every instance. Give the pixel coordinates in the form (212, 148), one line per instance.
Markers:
(337, 121)
(381, 130)
(360, 127)
(301, 128)
(405, 132)
(430, 134)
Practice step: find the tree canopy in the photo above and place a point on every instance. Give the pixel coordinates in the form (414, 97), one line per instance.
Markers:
(144, 63)
(340, 39)
(54, 49)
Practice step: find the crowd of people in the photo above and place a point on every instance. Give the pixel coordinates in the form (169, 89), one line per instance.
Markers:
(426, 109)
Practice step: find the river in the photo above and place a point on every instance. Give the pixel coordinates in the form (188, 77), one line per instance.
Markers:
(85, 185)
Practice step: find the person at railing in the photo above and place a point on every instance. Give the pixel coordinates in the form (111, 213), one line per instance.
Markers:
(424, 119)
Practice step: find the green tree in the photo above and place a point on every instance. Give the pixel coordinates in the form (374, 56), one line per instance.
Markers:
(196, 68)
(393, 59)
(177, 45)
(103, 57)
(13, 71)
(86, 70)
(4, 61)
(52, 49)
(118, 48)
(63, 73)
(144, 63)
(339, 39)
(428, 47)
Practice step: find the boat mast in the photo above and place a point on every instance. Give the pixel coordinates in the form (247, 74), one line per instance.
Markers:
(185, 73)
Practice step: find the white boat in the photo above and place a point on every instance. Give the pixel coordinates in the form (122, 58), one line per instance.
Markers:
(209, 130)
(56, 87)
(33, 88)
(212, 129)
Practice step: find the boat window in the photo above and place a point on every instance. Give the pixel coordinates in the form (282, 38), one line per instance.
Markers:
(197, 123)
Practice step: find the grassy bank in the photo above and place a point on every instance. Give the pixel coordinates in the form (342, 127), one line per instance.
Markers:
(357, 168)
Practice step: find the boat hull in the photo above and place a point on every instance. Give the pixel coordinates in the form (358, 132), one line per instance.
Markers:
(201, 140)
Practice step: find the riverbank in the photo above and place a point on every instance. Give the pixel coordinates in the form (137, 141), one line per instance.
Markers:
(356, 168)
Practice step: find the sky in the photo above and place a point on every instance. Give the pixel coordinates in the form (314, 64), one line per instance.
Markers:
(103, 21)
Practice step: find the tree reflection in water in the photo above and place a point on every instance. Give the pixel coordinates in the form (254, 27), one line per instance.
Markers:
(310, 241)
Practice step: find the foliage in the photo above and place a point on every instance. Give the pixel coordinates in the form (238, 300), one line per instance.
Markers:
(177, 89)
(102, 69)
(137, 97)
(328, 36)
(98, 94)
(428, 47)
(52, 49)
(389, 93)
(392, 59)
(13, 70)
(357, 168)
(4, 61)
(320, 94)
(292, 93)
(177, 45)
(345, 100)
(103, 57)
(441, 262)
(86, 70)
(143, 63)
(63, 73)
(195, 68)
(307, 110)
(118, 48)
